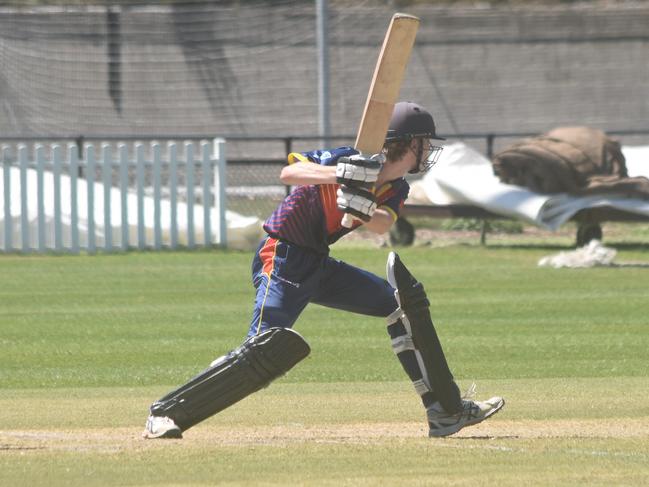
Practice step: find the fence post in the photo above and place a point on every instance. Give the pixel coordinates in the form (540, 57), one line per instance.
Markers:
(139, 157)
(56, 174)
(206, 169)
(73, 159)
(189, 169)
(8, 244)
(484, 227)
(173, 193)
(90, 184)
(40, 196)
(107, 179)
(123, 194)
(288, 147)
(490, 145)
(220, 183)
(157, 163)
(24, 207)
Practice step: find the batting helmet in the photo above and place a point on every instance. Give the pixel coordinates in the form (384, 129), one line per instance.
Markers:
(410, 120)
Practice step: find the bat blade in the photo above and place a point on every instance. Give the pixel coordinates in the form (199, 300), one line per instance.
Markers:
(384, 89)
(386, 82)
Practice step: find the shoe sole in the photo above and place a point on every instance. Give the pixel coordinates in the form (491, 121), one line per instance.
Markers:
(457, 427)
(169, 434)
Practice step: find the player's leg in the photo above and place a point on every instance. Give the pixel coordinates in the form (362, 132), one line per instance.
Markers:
(350, 288)
(271, 348)
(255, 364)
(416, 344)
(285, 277)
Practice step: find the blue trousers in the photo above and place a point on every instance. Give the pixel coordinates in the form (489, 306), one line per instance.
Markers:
(287, 278)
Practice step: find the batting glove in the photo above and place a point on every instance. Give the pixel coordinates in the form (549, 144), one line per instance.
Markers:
(356, 201)
(359, 170)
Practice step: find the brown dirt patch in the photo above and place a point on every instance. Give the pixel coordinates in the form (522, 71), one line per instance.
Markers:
(128, 439)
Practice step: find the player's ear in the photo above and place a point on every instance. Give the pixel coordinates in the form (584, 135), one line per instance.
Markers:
(415, 144)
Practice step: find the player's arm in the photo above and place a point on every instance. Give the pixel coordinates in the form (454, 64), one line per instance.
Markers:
(304, 172)
(381, 222)
(388, 211)
(355, 170)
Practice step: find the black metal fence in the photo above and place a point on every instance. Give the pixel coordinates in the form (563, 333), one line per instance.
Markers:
(253, 186)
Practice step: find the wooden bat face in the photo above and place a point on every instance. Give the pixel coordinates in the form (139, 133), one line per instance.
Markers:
(384, 89)
(386, 83)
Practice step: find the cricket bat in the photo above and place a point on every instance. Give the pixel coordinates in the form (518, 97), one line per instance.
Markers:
(384, 89)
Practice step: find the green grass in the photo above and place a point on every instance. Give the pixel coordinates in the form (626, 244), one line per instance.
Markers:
(88, 342)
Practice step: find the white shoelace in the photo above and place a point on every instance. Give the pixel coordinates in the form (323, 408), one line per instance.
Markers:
(470, 392)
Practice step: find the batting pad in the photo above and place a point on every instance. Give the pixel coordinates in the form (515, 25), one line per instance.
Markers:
(255, 364)
(413, 335)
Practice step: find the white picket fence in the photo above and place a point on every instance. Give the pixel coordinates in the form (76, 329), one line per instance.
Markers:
(48, 207)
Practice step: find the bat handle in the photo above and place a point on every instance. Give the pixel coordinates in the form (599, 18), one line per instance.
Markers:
(347, 221)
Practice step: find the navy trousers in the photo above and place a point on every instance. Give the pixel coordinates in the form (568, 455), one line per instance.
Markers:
(287, 278)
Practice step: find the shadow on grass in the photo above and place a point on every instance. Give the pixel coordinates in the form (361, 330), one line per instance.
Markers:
(632, 246)
(486, 437)
(626, 246)
(630, 264)
(529, 246)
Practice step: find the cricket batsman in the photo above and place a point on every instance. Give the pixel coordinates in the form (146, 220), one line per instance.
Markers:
(292, 268)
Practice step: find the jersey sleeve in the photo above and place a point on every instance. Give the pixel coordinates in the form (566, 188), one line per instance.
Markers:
(322, 157)
(392, 197)
(294, 157)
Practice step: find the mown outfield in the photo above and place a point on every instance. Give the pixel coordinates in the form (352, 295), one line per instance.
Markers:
(88, 342)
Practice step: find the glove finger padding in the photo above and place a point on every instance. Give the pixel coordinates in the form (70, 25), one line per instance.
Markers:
(356, 201)
(359, 170)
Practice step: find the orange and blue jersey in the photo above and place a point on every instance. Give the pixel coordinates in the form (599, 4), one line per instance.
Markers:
(292, 266)
(309, 216)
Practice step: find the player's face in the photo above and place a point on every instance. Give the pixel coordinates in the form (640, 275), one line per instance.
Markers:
(397, 168)
(426, 154)
(416, 153)
(417, 158)
(409, 160)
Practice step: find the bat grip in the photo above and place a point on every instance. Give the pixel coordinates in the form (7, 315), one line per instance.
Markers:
(347, 221)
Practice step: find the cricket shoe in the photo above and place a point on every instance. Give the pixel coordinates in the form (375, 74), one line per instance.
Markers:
(442, 423)
(161, 427)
